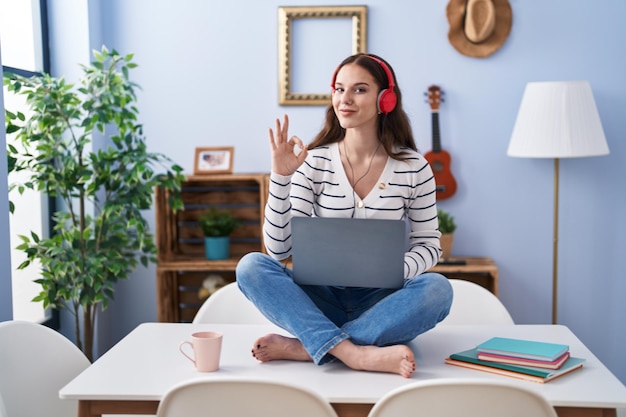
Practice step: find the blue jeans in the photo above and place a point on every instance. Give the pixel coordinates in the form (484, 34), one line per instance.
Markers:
(321, 317)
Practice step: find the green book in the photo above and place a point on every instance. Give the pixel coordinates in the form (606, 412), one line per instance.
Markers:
(469, 359)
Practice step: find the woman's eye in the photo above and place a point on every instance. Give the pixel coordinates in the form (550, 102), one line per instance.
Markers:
(339, 89)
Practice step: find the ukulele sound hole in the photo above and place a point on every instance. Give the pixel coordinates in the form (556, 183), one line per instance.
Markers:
(437, 166)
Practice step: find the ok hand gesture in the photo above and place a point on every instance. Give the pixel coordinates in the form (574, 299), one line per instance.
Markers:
(285, 160)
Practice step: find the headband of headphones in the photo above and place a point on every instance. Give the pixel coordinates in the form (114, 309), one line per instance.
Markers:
(387, 70)
(387, 98)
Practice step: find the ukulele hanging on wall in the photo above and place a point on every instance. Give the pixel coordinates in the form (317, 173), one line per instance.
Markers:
(438, 158)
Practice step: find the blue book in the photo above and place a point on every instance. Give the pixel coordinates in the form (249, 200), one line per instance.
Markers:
(518, 348)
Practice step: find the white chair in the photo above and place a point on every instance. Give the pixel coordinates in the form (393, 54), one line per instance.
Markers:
(35, 363)
(228, 305)
(242, 397)
(473, 304)
(462, 397)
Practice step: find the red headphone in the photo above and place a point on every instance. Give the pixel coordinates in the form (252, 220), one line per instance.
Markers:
(387, 98)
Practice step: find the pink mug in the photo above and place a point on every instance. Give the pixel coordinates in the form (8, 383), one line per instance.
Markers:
(207, 348)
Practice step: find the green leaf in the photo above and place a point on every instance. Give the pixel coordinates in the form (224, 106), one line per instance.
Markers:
(35, 237)
(23, 265)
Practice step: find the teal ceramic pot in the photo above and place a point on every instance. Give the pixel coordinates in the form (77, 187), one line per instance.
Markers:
(216, 248)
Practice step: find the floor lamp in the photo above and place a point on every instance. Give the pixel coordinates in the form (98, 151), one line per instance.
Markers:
(557, 120)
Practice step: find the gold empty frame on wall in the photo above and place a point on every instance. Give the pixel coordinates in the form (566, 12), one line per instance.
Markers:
(286, 18)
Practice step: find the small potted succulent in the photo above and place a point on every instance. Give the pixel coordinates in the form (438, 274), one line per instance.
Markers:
(447, 226)
(217, 225)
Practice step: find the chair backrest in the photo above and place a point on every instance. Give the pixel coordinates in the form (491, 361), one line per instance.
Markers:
(473, 304)
(242, 397)
(462, 397)
(228, 305)
(35, 363)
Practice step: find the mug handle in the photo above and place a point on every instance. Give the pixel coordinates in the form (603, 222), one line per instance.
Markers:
(180, 347)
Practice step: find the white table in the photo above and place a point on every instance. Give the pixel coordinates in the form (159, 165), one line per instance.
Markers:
(132, 377)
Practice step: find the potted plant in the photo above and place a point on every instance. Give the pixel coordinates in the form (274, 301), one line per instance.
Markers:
(85, 147)
(447, 226)
(217, 225)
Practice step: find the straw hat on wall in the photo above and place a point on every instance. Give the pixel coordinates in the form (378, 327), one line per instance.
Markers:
(478, 27)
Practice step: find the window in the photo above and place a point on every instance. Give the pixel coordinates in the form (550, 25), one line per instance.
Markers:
(23, 34)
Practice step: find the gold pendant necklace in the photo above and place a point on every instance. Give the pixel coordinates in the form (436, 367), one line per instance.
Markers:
(358, 204)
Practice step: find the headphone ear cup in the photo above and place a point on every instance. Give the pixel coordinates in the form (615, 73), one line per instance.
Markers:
(387, 100)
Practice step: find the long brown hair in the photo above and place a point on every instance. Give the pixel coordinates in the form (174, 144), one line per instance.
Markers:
(394, 128)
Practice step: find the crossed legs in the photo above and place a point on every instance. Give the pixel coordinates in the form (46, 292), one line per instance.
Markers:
(364, 329)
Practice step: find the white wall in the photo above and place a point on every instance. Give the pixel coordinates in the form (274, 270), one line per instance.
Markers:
(208, 71)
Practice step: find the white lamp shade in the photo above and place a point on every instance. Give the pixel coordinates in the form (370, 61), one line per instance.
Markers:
(558, 120)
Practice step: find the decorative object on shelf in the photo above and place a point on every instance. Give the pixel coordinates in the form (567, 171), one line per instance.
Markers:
(288, 66)
(214, 160)
(447, 226)
(211, 284)
(438, 158)
(478, 28)
(557, 120)
(85, 147)
(217, 225)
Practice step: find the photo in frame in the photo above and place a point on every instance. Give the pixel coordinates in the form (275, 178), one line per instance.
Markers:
(214, 160)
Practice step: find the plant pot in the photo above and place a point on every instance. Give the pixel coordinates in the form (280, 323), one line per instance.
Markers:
(216, 248)
(446, 242)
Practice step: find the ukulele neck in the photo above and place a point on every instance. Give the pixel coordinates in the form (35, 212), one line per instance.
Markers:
(436, 133)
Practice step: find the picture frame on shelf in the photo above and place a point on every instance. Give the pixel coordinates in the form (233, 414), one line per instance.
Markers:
(214, 160)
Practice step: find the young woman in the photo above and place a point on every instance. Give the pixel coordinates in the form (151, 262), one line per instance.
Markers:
(363, 164)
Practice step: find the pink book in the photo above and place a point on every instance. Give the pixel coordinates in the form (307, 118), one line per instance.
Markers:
(555, 364)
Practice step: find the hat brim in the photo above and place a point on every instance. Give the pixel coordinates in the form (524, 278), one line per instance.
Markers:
(456, 15)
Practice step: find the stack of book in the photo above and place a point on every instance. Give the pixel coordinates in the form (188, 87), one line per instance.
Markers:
(525, 359)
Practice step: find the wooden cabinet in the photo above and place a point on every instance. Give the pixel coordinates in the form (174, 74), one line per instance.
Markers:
(482, 271)
(182, 266)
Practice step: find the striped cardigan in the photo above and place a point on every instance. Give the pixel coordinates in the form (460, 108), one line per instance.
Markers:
(320, 187)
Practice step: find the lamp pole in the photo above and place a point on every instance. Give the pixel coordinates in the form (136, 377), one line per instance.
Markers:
(555, 244)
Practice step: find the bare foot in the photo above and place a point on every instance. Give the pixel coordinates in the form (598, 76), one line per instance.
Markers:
(274, 346)
(397, 359)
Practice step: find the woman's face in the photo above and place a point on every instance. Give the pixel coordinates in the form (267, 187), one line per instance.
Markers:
(355, 96)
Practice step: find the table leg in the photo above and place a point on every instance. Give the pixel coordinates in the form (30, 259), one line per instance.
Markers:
(84, 409)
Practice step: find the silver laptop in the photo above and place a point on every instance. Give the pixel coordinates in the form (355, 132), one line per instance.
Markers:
(348, 252)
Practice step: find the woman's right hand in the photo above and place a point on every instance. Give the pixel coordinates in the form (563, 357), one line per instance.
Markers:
(285, 160)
